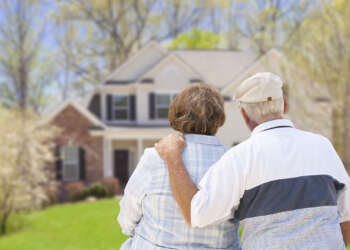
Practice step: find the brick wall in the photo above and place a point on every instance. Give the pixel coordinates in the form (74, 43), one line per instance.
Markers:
(74, 129)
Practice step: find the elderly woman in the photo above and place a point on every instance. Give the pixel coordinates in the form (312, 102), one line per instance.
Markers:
(148, 211)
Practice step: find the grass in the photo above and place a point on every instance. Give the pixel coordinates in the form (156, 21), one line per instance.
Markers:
(79, 226)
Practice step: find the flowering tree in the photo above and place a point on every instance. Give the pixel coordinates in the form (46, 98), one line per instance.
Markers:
(25, 150)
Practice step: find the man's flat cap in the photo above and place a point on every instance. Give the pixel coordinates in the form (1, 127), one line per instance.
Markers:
(261, 87)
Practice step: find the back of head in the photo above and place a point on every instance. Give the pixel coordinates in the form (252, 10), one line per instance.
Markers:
(198, 109)
(261, 97)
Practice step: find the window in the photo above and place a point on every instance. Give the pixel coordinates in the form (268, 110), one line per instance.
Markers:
(121, 107)
(162, 105)
(70, 163)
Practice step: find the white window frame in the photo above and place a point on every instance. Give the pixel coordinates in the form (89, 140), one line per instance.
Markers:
(66, 161)
(157, 106)
(126, 107)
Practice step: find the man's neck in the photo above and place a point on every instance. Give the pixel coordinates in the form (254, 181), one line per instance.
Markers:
(253, 125)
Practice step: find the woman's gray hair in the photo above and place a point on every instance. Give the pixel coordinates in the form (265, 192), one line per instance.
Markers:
(259, 111)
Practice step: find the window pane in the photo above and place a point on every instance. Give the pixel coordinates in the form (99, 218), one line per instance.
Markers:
(120, 101)
(121, 114)
(70, 172)
(163, 100)
(162, 113)
(71, 155)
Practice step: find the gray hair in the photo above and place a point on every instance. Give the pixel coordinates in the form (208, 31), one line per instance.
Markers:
(258, 112)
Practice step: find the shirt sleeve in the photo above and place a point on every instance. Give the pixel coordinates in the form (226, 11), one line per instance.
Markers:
(220, 191)
(343, 202)
(342, 176)
(131, 204)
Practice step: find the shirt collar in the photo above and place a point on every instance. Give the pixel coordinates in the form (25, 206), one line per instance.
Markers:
(202, 139)
(272, 124)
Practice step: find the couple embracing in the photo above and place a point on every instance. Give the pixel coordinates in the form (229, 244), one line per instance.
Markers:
(285, 187)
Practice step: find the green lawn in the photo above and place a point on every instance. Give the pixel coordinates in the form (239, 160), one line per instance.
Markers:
(79, 226)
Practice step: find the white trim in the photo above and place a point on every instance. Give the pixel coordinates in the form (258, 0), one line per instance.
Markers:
(139, 148)
(127, 107)
(76, 163)
(103, 106)
(82, 110)
(157, 106)
(107, 157)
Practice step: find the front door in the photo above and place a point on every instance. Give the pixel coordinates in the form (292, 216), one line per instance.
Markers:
(121, 165)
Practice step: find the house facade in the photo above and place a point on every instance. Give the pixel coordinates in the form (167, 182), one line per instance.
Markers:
(105, 133)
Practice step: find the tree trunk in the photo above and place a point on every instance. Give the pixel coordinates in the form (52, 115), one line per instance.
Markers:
(3, 223)
(346, 127)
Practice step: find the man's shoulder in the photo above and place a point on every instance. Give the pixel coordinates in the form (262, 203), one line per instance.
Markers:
(314, 137)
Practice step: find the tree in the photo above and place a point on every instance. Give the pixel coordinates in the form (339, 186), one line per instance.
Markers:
(196, 39)
(261, 25)
(322, 48)
(95, 37)
(25, 151)
(26, 71)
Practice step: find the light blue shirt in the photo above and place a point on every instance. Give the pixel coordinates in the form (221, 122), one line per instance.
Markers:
(149, 214)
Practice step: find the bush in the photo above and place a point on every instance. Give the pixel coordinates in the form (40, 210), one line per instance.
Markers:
(112, 185)
(52, 195)
(75, 191)
(97, 190)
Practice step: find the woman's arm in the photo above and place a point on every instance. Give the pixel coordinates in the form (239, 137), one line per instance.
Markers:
(131, 204)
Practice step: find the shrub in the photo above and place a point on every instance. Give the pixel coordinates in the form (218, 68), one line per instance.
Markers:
(52, 195)
(97, 190)
(75, 191)
(112, 185)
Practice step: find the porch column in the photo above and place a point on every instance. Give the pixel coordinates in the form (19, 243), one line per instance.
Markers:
(107, 157)
(139, 148)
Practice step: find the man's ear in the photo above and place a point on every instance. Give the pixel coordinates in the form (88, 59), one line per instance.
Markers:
(245, 116)
(250, 123)
(285, 104)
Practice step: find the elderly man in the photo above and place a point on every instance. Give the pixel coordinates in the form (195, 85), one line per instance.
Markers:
(288, 187)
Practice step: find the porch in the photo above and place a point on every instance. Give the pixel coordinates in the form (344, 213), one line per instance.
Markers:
(124, 146)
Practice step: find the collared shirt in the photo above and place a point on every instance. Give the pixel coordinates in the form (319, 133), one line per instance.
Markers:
(288, 188)
(149, 213)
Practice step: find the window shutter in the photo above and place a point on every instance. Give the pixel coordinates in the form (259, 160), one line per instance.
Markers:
(109, 103)
(58, 163)
(132, 100)
(152, 103)
(81, 164)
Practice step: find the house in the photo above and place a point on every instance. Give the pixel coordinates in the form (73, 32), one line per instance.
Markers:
(105, 133)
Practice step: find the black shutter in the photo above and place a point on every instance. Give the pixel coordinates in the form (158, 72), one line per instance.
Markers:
(58, 163)
(152, 105)
(109, 103)
(81, 164)
(132, 105)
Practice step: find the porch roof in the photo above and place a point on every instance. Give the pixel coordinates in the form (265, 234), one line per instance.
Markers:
(133, 133)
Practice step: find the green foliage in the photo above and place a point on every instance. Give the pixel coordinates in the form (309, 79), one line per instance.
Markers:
(196, 39)
(96, 190)
(78, 226)
(322, 49)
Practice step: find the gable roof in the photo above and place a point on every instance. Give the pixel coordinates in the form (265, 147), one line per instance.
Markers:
(116, 77)
(169, 58)
(216, 66)
(86, 113)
